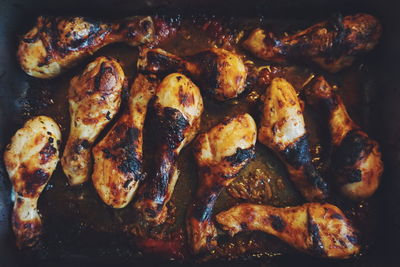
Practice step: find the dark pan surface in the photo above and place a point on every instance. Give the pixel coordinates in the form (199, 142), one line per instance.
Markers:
(81, 229)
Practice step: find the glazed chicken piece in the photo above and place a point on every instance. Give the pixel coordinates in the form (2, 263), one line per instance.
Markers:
(220, 73)
(118, 158)
(94, 98)
(356, 163)
(178, 106)
(318, 229)
(56, 44)
(282, 130)
(30, 160)
(332, 44)
(220, 154)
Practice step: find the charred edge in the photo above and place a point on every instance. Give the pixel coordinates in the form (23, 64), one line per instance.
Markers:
(208, 63)
(81, 145)
(47, 152)
(339, 32)
(241, 156)
(202, 209)
(34, 180)
(244, 226)
(160, 63)
(337, 216)
(277, 223)
(317, 247)
(315, 178)
(172, 127)
(352, 149)
(131, 161)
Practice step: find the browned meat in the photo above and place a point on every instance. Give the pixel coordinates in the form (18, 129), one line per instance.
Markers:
(118, 158)
(220, 73)
(178, 107)
(332, 44)
(59, 43)
(282, 129)
(318, 229)
(30, 160)
(220, 154)
(356, 163)
(94, 98)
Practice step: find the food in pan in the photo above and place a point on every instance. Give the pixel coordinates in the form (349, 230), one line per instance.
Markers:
(118, 157)
(331, 44)
(30, 160)
(178, 106)
(220, 154)
(220, 73)
(283, 130)
(319, 229)
(356, 162)
(56, 44)
(210, 85)
(94, 98)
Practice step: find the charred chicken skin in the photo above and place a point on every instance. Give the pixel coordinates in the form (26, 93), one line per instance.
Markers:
(220, 73)
(220, 154)
(332, 44)
(30, 160)
(59, 43)
(178, 106)
(118, 158)
(357, 164)
(282, 130)
(318, 229)
(94, 98)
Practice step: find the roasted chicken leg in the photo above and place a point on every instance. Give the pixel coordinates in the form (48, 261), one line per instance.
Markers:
(318, 229)
(30, 160)
(118, 158)
(220, 154)
(94, 98)
(178, 107)
(220, 73)
(58, 43)
(356, 163)
(332, 44)
(282, 130)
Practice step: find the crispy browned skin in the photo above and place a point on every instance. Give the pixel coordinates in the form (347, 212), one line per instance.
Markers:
(178, 106)
(94, 98)
(30, 160)
(282, 129)
(318, 229)
(58, 43)
(220, 73)
(118, 158)
(332, 44)
(220, 154)
(356, 162)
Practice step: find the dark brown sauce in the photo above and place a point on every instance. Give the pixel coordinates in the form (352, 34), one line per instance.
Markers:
(76, 220)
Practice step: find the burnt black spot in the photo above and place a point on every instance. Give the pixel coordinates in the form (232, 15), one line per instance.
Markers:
(146, 25)
(47, 153)
(317, 247)
(127, 183)
(203, 206)
(108, 154)
(353, 239)
(103, 70)
(298, 153)
(150, 212)
(241, 156)
(108, 115)
(130, 160)
(277, 223)
(315, 178)
(35, 180)
(81, 145)
(244, 226)
(51, 140)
